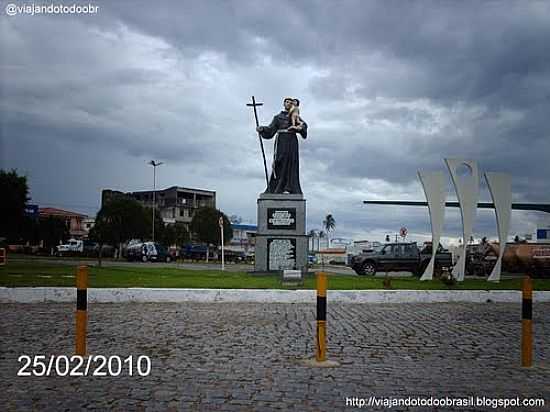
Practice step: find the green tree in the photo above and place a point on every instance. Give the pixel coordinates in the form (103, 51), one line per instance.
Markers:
(120, 220)
(329, 224)
(15, 192)
(30, 230)
(320, 235)
(205, 226)
(182, 234)
(174, 234)
(52, 231)
(160, 227)
(168, 237)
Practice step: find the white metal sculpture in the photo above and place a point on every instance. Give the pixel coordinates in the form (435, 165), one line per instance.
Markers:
(434, 185)
(500, 187)
(467, 192)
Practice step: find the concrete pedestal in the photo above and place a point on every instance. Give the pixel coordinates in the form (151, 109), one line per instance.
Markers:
(281, 241)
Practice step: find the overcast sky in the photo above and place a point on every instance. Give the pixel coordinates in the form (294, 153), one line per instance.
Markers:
(386, 87)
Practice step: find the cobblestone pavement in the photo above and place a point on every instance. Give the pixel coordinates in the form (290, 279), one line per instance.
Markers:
(242, 356)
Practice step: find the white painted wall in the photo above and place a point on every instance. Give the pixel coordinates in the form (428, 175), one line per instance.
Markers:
(154, 295)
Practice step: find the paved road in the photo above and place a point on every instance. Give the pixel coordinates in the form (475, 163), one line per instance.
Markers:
(244, 356)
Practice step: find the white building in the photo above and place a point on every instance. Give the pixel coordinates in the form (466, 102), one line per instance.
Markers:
(244, 238)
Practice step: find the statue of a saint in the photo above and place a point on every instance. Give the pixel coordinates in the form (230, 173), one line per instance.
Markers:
(285, 176)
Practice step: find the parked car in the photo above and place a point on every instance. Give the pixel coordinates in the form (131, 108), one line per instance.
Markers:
(193, 252)
(234, 256)
(397, 257)
(148, 252)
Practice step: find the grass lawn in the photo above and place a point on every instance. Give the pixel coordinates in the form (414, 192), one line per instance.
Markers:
(28, 274)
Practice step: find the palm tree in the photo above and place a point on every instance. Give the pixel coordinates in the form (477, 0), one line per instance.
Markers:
(320, 235)
(329, 224)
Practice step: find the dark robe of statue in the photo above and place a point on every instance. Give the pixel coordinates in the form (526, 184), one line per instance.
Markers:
(286, 165)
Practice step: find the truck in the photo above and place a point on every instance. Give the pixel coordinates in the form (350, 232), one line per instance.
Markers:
(519, 257)
(148, 252)
(85, 248)
(72, 247)
(398, 257)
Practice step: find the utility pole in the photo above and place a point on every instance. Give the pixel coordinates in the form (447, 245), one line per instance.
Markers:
(154, 164)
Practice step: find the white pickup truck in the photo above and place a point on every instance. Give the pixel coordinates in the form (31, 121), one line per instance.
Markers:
(73, 246)
(85, 248)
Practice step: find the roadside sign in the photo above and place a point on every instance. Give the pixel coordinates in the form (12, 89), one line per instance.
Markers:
(32, 211)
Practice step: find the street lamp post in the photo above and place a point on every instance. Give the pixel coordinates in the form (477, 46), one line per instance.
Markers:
(221, 235)
(154, 164)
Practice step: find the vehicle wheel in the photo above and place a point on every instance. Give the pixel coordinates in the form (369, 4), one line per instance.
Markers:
(144, 258)
(369, 268)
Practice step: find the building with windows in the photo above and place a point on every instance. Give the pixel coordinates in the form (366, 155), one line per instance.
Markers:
(244, 238)
(175, 204)
(73, 220)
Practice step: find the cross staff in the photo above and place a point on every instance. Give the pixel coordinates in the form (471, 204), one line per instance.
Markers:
(254, 104)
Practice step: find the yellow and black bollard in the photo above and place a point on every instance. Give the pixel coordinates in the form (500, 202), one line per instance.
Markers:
(320, 360)
(321, 347)
(527, 323)
(81, 309)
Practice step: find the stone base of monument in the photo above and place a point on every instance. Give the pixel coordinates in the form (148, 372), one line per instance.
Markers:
(281, 240)
(314, 363)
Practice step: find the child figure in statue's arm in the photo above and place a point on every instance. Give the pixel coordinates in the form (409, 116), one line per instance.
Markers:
(294, 117)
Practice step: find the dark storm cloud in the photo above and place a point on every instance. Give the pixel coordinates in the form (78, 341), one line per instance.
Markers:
(388, 88)
(443, 50)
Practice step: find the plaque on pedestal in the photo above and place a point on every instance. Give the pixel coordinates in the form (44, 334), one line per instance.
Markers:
(281, 254)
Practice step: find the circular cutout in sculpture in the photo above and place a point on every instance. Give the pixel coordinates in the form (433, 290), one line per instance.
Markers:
(464, 170)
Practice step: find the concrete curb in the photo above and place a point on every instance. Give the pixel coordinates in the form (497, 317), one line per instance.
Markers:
(153, 295)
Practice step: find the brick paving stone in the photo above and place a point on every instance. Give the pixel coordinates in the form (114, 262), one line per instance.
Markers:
(246, 356)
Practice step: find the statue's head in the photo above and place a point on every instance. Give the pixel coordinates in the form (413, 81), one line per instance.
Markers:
(288, 103)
